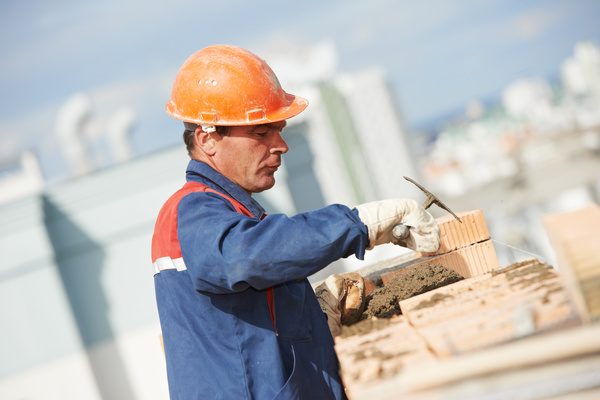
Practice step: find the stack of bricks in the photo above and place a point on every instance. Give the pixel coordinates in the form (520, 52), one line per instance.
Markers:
(382, 353)
(506, 304)
(465, 247)
(575, 237)
(441, 325)
(491, 306)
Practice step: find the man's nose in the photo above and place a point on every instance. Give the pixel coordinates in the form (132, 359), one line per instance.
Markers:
(279, 145)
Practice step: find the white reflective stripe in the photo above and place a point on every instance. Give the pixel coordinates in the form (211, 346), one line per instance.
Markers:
(167, 263)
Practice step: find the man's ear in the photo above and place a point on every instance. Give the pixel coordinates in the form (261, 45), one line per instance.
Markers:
(205, 141)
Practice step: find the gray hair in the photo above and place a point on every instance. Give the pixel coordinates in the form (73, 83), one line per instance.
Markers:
(190, 129)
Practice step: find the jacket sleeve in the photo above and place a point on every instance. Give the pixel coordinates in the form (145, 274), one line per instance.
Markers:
(225, 251)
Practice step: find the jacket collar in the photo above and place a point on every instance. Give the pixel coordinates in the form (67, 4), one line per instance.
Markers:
(201, 172)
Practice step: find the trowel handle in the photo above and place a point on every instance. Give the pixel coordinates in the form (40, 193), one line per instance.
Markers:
(400, 232)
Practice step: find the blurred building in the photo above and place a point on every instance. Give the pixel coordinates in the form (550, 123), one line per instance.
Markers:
(77, 302)
(581, 72)
(528, 98)
(20, 177)
(535, 152)
(76, 287)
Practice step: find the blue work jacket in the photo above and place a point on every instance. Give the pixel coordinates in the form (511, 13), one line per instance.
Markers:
(239, 318)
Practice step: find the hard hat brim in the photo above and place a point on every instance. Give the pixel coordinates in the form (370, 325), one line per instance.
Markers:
(295, 105)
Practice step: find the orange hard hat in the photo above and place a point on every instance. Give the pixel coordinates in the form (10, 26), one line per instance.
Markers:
(228, 85)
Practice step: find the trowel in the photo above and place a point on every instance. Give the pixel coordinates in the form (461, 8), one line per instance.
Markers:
(401, 232)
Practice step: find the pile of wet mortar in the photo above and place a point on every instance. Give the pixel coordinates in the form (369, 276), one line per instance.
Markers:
(383, 303)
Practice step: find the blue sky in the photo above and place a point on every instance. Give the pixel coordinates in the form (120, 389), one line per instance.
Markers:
(438, 54)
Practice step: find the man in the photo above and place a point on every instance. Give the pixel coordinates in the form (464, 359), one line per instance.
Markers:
(238, 316)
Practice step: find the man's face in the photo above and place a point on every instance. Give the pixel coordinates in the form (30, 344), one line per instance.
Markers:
(250, 155)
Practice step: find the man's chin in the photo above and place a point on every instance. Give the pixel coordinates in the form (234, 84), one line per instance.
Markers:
(265, 186)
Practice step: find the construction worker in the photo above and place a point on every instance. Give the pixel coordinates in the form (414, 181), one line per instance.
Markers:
(239, 318)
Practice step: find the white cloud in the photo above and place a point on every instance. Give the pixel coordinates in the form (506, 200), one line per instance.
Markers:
(536, 23)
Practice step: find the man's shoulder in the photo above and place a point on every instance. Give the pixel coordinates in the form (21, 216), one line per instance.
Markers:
(194, 192)
(189, 188)
(192, 187)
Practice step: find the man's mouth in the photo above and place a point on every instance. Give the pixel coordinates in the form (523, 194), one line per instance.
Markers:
(275, 166)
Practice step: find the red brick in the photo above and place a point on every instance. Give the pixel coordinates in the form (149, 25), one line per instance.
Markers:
(575, 237)
(491, 308)
(369, 357)
(468, 262)
(455, 235)
(369, 286)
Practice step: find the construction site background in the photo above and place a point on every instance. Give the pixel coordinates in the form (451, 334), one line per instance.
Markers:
(76, 287)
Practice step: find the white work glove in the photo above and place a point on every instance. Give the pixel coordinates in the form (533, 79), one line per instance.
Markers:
(342, 299)
(380, 217)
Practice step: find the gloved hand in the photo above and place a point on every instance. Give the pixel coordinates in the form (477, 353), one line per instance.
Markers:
(342, 299)
(380, 217)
